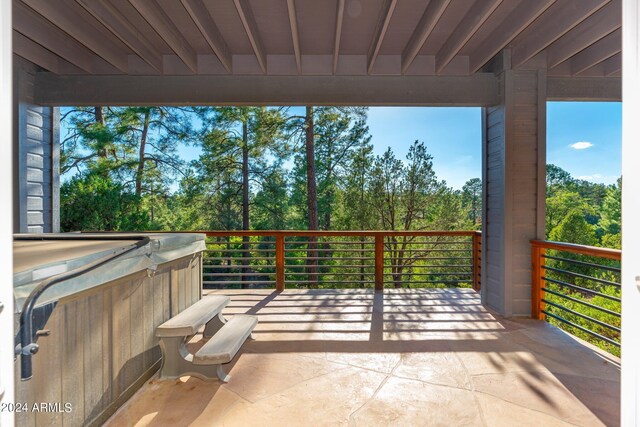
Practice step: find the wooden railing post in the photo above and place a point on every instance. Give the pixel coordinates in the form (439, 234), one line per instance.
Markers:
(537, 262)
(279, 262)
(379, 262)
(541, 283)
(476, 260)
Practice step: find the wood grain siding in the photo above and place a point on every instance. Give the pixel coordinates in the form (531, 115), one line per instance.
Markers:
(493, 176)
(37, 164)
(102, 345)
(514, 174)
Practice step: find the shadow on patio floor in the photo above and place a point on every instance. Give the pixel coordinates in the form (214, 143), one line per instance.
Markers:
(433, 356)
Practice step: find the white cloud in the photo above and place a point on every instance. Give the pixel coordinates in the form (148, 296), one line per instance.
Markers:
(599, 178)
(581, 145)
(594, 177)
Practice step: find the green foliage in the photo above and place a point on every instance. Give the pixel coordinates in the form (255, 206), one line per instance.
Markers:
(610, 225)
(562, 203)
(356, 201)
(574, 228)
(242, 150)
(135, 146)
(341, 134)
(472, 201)
(613, 241)
(271, 205)
(405, 192)
(597, 204)
(583, 213)
(135, 150)
(92, 202)
(558, 177)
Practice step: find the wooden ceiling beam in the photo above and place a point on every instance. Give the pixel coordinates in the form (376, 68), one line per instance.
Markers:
(209, 31)
(584, 89)
(601, 50)
(423, 30)
(560, 18)
(120, 26)
(472, 21)
(295, 35)
(166, 29)
(32, 51)
(606, 68)
(613, 65)
(75, 25)
(36, 28)
(515, 22)
(381, 29)
(480, 89)
(592, 29)
(338, 34)
(251, 28)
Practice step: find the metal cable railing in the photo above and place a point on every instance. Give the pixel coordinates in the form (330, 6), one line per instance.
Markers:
(336, 259)
(578, 288)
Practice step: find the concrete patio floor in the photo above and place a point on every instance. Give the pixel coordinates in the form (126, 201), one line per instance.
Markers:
(402, 357)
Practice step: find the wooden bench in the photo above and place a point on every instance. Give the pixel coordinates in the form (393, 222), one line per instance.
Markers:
(226, 338)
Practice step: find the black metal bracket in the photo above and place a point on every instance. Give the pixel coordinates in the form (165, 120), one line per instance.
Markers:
(39, 318)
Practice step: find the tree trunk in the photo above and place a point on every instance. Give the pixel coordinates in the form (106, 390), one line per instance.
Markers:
(397, 259)
(475, 208)
(312, 197)
(245, 202)
(326, 247)
(245, 177)
(312, 192)
(141, 154)
(102, 151)
(328, 209)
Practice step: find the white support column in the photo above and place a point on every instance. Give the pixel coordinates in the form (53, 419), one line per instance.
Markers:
(630, 411)
(514, 139)
(6, 246)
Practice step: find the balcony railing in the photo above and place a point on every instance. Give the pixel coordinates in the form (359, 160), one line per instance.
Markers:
(578, 288)
(342, 259)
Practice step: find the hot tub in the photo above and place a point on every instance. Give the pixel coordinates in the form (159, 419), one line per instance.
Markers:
(98, 345)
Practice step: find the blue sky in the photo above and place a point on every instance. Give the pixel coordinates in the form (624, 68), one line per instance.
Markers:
(583, 138)
(453, 137)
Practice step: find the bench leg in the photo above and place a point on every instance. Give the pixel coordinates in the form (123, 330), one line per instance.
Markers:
(214, 326)
(222, 375)
(176, 362)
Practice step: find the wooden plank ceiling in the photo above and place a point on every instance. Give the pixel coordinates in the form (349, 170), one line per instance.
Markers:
(311, 37)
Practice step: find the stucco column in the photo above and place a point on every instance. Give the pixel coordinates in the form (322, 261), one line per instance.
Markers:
(513, 171)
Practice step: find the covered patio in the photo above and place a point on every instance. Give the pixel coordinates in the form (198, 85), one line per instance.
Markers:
(321, 356)
(401, 357)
